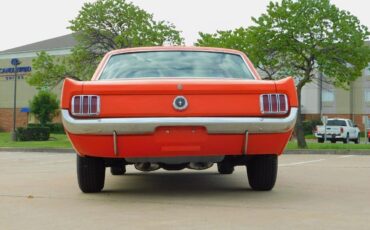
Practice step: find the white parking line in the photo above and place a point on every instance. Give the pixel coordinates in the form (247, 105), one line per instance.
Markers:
(345, 156)
(301, 163)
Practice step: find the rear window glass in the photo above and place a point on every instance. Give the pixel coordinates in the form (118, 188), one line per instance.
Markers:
(172, 64)
(336, 123)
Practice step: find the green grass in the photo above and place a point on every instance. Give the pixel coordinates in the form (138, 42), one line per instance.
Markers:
(314, 145)
(310, 136)
(55, 141)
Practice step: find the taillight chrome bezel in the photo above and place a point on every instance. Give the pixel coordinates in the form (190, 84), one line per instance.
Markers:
(277, 96)
(82, 113)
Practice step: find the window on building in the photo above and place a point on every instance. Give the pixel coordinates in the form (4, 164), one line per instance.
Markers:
(367, 70)
(328, 96)
(367, 95)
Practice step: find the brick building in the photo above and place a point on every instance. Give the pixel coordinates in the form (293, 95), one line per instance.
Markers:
(59, 46)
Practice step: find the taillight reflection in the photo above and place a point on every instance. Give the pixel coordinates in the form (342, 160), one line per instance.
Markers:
(274, 103)
(85, 105)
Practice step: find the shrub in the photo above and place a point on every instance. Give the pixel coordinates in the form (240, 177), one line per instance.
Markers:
(33, 134)
(309, 126)
(56, 128)
(44, 105)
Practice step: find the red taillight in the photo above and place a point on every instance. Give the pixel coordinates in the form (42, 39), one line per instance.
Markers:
(265, 102)
(274, 103)
(283, 102)
(94, 105)
(341, 130)
(76, 104)
(85, 105)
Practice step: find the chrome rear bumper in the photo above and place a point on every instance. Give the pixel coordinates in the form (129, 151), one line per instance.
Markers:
(147, 125)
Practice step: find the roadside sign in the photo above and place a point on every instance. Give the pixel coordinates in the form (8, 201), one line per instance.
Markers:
(324, 119)
(366, 122)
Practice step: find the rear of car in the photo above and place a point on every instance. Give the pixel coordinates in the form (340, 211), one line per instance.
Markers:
(175, 108)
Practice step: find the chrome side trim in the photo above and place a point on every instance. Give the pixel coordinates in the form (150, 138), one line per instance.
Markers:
(147, 125)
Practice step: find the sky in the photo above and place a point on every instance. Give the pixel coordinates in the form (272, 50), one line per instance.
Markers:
(31, 21)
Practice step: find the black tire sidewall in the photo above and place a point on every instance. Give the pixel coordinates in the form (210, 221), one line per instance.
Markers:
(90, 174)
(262, 172)
(225, 167)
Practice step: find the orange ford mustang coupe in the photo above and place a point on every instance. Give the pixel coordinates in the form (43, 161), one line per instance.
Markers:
(176, 108)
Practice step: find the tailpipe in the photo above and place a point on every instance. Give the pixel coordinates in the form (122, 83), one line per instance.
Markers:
(200, 165)
(146, 166)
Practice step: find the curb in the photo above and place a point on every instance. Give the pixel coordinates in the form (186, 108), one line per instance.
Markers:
(330, 152)
(298, 151)
(38, 150)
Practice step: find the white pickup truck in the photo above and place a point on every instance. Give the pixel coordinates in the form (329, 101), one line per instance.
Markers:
(338, 129)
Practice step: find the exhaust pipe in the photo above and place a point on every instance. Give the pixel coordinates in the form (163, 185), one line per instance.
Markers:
(146, 166)
(199, 165)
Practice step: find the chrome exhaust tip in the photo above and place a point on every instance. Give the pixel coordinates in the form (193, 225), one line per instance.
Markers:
(200, 165)
(146, 166)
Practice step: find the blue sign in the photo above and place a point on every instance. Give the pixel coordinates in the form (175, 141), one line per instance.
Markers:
(23, 69)
(25, 110)
(15, 61)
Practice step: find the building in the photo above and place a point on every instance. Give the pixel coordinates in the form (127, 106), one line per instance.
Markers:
(59, 46)
(327, 100)
(316, 100)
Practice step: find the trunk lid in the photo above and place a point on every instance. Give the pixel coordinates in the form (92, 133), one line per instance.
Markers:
(155, 98)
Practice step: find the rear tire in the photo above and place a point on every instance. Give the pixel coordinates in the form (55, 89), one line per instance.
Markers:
(320, 140)
(90, 174)
(118, 170)
(346, 140)
(262, 172)
(225, 167)
(333, 141)
(357, 140)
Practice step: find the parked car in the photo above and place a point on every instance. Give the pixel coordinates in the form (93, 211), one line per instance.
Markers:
(368, 135)
(338, 129)
(176, 108)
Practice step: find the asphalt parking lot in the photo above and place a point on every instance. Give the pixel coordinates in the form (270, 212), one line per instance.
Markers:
(39, 191)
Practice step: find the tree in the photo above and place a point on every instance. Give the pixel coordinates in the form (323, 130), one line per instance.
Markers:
(100, 27)
(44, 106)
(310, 36)
(47, 71)
(107, 25)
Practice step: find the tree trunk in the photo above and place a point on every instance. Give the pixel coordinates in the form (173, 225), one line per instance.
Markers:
(299, 124)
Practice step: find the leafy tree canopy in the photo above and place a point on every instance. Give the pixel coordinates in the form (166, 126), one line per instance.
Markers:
(301, 38)
(47, 71)
(314, 35)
